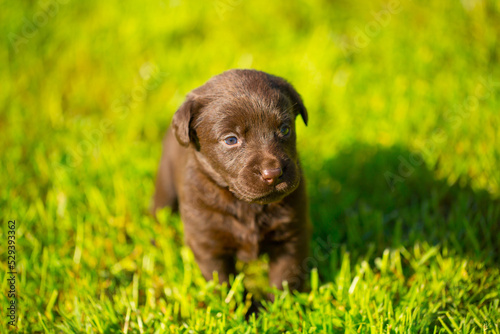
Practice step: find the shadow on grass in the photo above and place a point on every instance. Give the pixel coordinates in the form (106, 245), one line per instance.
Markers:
(367, 199)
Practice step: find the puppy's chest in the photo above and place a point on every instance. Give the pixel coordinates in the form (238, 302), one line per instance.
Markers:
(253, 231)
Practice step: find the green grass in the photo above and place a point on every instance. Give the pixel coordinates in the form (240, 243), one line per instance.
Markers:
(401, 158)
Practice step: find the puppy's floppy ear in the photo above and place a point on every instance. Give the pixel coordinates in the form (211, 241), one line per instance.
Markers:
(295, 99)
(182, 120)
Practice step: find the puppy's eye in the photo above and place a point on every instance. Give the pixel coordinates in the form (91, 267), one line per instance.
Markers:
(284, 130)
(230, 141)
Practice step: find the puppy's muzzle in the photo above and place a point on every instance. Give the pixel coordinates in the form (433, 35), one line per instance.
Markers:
(271, 175)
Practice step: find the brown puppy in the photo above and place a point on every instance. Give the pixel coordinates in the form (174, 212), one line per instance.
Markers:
(230, 166)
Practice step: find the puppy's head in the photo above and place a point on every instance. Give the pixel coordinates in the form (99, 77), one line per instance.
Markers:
(242, 125)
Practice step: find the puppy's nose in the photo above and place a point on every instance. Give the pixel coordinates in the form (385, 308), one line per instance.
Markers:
(271, 175)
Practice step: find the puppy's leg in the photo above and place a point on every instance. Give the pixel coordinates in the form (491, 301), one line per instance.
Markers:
(223, 265)
(287, 262)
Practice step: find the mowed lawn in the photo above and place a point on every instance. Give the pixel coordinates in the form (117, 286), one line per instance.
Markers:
(401, 156)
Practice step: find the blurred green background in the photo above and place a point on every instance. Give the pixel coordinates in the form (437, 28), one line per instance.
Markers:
(401, 156)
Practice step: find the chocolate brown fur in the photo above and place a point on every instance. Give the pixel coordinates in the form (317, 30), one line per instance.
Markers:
(230, 199)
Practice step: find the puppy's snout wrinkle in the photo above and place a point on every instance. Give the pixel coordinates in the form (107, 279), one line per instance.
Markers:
(271, 175)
